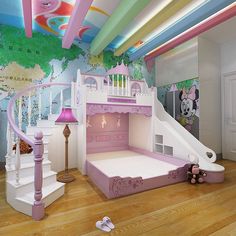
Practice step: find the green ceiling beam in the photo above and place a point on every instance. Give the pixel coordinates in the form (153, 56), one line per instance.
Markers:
(171, 9)
(120, 18)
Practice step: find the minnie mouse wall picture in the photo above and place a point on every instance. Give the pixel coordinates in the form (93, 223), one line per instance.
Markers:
(188, 106)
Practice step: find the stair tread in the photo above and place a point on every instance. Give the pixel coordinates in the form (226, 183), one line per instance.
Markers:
(44, 134)
(30, 179)
(29, 155)
(29, 197)
(28, 165)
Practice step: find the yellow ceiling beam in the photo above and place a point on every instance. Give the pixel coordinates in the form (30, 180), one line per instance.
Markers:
(152, 24)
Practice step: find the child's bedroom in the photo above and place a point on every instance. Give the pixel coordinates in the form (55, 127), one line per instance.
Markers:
(117, 117)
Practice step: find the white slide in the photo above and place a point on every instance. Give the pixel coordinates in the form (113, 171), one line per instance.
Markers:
(182, 144)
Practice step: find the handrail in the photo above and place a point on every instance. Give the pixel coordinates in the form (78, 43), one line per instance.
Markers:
(38, 147)
(11, 104)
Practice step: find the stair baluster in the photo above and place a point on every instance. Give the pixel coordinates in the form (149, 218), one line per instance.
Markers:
(17, 162)
(38, 207)
(9, 146)
(40, 104)
(50, 101)
(20, 113)
(112, 81)
(61, 100)
(29, 110)
(108, 85)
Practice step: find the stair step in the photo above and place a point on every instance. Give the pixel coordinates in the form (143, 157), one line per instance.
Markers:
(45, 123)
(27, 169)
(53, 117)
(27, 184)
(50, 194)
(33, 129)
(46, 191)
(46, 137)
(29, 158)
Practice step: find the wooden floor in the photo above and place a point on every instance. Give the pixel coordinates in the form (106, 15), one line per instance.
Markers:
(180, 209)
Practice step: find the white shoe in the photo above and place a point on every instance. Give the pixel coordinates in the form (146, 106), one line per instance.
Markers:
(102, 226)
(108, 222)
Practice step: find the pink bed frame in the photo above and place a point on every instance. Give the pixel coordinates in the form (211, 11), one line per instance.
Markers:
(116, 186)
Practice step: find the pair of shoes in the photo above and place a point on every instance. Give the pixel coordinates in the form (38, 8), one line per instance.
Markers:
(105, 225)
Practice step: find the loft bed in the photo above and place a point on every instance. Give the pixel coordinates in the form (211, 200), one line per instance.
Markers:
(116, 107)
(122, 117)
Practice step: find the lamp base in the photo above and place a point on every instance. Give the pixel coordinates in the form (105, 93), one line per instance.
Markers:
(66, 178)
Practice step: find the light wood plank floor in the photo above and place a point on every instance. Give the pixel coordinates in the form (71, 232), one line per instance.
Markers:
(180, 209)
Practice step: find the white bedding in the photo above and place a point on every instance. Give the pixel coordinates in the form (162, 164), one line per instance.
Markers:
(129, 164)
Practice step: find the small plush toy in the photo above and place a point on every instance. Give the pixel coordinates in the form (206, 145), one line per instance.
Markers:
(195, 175)
(25, 148)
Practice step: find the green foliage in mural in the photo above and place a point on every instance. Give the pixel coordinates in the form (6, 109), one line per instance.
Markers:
(185, 84)
(137, 65)
(40, 49)
(109, 60)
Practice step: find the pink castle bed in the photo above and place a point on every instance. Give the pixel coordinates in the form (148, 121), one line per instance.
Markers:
(132, 144)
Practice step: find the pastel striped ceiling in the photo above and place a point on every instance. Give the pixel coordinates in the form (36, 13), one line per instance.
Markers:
(136, 27)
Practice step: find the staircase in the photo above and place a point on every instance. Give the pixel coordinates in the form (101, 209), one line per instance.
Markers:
(21, 196)
(31, 185)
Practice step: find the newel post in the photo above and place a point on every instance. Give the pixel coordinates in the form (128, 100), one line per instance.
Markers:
(38, 207)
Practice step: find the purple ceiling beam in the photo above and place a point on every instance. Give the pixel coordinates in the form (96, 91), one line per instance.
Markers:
(79, 12)
(27, 12)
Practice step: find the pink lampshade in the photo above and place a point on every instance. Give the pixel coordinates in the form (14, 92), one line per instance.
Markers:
(66, 117)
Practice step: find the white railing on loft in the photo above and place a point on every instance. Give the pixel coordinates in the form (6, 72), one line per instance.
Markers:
(15, 134)
(113, 85)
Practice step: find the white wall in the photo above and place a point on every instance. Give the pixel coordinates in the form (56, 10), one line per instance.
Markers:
(210, 94)
(179, 64)
(228, 57)
(198, 57)
(140, 132)
(57, 148)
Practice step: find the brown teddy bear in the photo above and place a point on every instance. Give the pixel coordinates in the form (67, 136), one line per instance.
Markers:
(195, 175)
(25, 148)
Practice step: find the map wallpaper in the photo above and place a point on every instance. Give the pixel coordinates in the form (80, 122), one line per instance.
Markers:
(41, 59)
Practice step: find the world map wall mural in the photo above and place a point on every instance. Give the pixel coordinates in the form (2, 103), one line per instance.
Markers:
(40, 59)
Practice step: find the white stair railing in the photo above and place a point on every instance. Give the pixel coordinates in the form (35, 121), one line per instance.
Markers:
(36, 144)
(10, 137)
(29, 110)
(40, 104)
(17, 162)
(50, 101)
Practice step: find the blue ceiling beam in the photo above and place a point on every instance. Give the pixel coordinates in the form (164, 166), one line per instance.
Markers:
(194, 17)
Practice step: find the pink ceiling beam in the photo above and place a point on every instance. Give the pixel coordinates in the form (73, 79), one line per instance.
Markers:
(79, 12)
(27, 11)
(219, 18)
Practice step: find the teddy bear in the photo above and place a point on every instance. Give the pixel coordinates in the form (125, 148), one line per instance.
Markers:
(25, 148)
(195, 175)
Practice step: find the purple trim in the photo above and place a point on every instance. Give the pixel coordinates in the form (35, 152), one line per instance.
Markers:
(106, 149)
(214, 177)
(116, 186)
(27, 11)
(78, 14)
(93, 108)
(161, 157)
(124, 100)
(38, 207)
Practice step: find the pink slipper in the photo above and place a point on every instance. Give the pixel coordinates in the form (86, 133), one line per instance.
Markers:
(108, 222)
(102, 226)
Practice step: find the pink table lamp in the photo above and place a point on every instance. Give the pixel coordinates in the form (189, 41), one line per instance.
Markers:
(66, 117)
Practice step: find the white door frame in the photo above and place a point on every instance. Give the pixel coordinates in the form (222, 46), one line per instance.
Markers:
(223, 77)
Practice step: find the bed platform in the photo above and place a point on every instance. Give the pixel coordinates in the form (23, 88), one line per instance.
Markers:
(126, 172)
